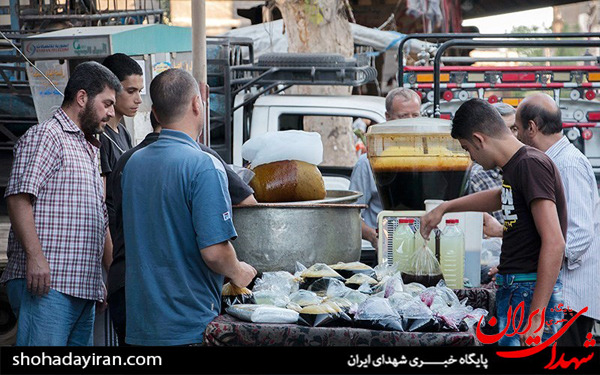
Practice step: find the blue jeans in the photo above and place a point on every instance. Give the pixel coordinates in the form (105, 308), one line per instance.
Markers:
(54, 319)
(512, 293)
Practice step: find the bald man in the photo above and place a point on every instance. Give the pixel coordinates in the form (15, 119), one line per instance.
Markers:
(539, 125)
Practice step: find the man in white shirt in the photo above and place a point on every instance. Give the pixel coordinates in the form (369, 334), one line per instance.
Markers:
(539, 125)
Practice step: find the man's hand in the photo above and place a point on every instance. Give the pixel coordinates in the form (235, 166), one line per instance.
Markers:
(221, 258)
(536, 321)
(244, 276)
(430, 220)
(491, 226)
(102, 304)
(38, 274)
(369, 234)
(37, 270)
(492, 272)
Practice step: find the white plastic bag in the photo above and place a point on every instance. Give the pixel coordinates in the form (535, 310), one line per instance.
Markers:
(284, 145)
(263, 314)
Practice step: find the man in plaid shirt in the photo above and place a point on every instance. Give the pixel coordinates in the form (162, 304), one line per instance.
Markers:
(58, 217)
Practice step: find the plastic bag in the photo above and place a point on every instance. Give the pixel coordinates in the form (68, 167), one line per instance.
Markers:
(281, 281)
(416, 316)
(317, 271)
(474, 316)
(355, 296)
(328, 287)
(271, 297)
(347, 270)
(446, 295)
(299, 269)
(361, 280)
(423, 268)
(233, 295)
(377, 313)
(385, 270)
(415, 289)
(284, 145)
(305, 298)
(263, 314)
(324, 315)
(344, 303)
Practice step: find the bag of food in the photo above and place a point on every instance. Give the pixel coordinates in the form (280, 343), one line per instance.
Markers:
(328, 287)
(262, 314)
(271, 297)
(416, 316)
(423, 268)
(323, 315)
(285, 166)
(281, 281)
(305, 298)
(348, 270)
(377, 313)
(316, 272)
(233, 295)
(287, 181)
(359, 280)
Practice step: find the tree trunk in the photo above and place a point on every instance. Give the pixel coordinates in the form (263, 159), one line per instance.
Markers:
(321, 26)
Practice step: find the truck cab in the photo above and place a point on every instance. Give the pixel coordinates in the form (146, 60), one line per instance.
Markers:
(287, 112)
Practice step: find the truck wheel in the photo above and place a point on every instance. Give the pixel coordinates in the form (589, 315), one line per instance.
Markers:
(8, 321)
(301, 59)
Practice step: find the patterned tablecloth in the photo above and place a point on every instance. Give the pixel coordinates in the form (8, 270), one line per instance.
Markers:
(226, 330)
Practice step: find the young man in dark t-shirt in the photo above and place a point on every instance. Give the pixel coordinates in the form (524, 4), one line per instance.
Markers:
(535, 221)
(115, 139)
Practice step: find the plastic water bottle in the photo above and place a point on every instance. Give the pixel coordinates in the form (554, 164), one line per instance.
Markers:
(403, 243)
(452, 248)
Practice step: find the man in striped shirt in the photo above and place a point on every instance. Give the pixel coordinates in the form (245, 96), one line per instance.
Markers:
(540, 125)
(58, 218)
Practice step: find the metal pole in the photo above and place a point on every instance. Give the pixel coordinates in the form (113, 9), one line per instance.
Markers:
(15, 23)
(199, 59)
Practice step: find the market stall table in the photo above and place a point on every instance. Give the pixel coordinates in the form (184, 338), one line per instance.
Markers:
(226, 330)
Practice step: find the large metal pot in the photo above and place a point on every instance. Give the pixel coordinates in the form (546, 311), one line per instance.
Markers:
(273, 237)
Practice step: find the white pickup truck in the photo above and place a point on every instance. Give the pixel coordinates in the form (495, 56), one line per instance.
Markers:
(286, 112)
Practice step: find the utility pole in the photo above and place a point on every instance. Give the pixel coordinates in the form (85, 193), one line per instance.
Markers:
(199, 59)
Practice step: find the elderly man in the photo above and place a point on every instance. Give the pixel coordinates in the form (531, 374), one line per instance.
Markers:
(177, 223)
(400, 103)
(535, 220)
(59, 223)
(539, 125)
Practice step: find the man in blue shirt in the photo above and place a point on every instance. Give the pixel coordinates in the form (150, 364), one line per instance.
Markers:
(178, 224)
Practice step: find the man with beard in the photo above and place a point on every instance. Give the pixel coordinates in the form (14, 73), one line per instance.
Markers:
(58, 217)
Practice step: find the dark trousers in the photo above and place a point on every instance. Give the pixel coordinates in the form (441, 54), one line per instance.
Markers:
(577, 332)
(117, 309)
